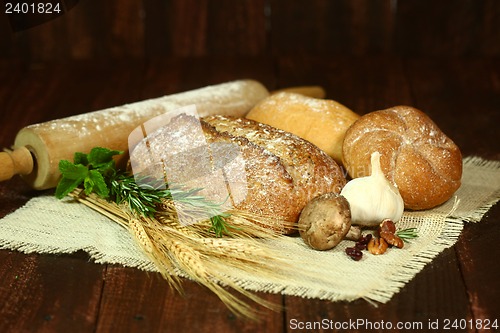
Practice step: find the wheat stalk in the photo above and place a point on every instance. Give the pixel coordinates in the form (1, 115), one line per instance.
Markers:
(206, 262)
(192, 251)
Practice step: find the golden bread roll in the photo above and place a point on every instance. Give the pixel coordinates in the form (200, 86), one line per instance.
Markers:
(311, 91)
(416, 155)
(283, 172)
(319, 121)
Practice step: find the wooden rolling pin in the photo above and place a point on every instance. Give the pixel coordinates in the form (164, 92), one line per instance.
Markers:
(39, 148)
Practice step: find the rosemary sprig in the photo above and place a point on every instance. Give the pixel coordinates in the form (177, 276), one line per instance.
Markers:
(218, 219)
(141, 199)
(407, 234)
(98, 174)
(219, 226)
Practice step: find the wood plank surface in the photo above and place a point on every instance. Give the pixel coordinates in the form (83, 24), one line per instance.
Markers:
(54, 293)
(332, 27)
(440, 56)
(479, 83)
(147, 304)
(447, 28)
(42, 293)
(186, 28)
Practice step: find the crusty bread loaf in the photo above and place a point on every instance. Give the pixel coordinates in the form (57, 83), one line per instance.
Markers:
(319, 121)
(415, 154)
(283, 172)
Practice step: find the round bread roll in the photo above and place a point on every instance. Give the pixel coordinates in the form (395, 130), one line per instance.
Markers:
(416, 155)
(281, 172)
(319, 121)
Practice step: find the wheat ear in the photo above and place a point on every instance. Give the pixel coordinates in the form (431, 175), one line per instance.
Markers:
(190, 251)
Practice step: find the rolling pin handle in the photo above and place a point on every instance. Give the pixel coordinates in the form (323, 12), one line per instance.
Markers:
(16, 162)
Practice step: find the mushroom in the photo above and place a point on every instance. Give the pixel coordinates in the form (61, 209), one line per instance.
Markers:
(354, 233)
(325, 221)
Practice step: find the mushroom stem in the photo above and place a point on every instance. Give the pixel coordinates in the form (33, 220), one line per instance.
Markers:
(354, 233)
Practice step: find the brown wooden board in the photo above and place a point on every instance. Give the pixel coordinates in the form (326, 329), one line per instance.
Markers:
(331, 27)
(361, 84)
(66, 292)
(456, 92)
(447, 28)
(479, 266)
(142, 29)
(143, 302)
(43, 293)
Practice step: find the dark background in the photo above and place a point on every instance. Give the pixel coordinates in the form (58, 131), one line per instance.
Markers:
(192, 28)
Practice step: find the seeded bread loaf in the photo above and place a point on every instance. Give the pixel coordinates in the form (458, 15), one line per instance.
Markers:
(281, 171)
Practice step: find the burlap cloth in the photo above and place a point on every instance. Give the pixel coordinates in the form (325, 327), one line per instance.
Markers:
(47, 225)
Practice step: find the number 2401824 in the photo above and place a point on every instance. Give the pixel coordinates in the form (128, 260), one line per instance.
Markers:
(32, 8)
(484, 324)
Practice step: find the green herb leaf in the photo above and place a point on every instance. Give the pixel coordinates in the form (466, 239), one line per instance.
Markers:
(102, 157)
(66, 185)
(219, 226)
(72, 176)
(97, 171)
(89, 169)
(88, 185)
(407, 234)
(140, 199)
(80, 158)
(99, 184)
(72, 171)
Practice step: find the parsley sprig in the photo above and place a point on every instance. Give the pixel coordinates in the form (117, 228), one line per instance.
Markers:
(98, 173)
(90, 169)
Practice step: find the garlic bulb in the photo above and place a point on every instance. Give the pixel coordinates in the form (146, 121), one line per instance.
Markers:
(373, 198)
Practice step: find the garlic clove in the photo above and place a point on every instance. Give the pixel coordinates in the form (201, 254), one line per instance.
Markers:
(373, 198)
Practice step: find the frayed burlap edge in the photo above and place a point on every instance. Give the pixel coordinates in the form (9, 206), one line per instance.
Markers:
(453, 223)
(485, 165)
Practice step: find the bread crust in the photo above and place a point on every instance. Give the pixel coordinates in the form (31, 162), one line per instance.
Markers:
(320, 121)
(283, 172)
(416, 155)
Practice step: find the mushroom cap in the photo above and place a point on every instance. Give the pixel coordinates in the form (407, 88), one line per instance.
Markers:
(325, 221)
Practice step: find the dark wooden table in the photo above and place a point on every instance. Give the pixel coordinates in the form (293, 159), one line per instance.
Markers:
(69, 293)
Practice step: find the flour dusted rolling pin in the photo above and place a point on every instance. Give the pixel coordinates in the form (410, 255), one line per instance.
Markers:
(39, 148)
